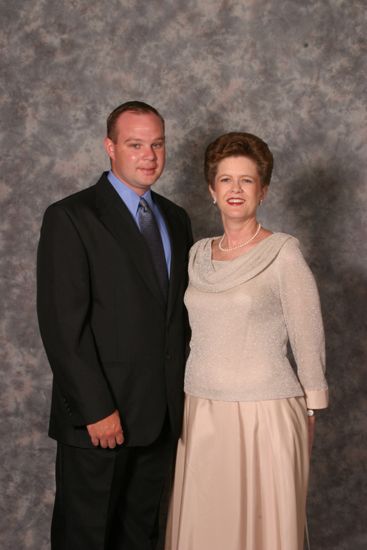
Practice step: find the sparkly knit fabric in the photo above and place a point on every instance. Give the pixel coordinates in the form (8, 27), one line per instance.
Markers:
(242, 314)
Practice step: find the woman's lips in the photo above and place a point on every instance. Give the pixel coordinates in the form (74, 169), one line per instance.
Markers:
(235, 202)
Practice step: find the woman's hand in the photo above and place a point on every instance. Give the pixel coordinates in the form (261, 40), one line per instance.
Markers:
(311, 432)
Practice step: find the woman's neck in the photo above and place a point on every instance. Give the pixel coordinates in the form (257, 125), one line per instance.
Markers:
(237, 231)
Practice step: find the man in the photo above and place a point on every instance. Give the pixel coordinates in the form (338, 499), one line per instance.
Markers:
(111, 277)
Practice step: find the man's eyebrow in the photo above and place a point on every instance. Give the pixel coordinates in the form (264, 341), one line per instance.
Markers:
(160, 138)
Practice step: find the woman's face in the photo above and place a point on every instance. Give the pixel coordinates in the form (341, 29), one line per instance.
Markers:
(237, 188)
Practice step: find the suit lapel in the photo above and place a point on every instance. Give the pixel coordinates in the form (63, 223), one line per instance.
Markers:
(178, 251)
(116, 217)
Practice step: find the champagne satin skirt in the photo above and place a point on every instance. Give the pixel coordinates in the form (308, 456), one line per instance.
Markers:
(241, 476)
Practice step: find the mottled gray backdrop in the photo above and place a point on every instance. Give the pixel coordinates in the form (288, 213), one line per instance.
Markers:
(291, 71)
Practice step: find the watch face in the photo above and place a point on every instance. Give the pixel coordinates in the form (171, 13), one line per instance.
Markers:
(310, 412)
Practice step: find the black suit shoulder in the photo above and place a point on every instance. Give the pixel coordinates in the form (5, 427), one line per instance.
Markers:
(168, 203)
(85, 197)
(171, 207)
(78, 209)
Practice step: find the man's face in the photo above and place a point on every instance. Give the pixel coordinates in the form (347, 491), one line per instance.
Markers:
(138, 152)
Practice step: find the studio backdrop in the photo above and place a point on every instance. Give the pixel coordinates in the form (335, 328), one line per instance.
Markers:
(292, 72)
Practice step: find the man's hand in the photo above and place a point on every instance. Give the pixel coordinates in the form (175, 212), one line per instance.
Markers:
(107, 432)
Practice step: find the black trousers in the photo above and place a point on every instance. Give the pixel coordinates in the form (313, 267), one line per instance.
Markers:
(108, 499)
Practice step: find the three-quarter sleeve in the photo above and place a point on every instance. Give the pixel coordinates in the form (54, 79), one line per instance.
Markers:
(302, 313)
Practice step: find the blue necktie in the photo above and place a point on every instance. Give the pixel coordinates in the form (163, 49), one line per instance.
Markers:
(150, 231)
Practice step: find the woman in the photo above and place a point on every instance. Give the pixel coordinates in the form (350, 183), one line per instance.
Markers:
(243, 459)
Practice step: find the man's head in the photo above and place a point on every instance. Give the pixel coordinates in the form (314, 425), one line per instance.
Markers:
(135, 144)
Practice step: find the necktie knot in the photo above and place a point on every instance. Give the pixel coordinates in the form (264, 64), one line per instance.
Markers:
(144, 205)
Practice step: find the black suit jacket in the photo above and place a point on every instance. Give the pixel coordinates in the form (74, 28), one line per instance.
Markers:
(110, 339)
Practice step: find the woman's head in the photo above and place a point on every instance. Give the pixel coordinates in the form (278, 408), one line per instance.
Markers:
(238, 144)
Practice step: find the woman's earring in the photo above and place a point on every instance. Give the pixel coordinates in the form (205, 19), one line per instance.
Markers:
(261, 201)
(214, 201)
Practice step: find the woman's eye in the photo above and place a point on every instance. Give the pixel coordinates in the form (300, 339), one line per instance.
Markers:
(157, 145)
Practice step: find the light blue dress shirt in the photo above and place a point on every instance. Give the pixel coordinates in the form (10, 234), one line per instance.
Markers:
(131, 200)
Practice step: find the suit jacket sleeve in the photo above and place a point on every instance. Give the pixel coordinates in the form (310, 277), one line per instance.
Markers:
(190, 237)
(190, 242)
(64, 307)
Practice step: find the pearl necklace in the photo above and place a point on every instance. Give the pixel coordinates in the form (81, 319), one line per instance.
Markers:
(239, 245)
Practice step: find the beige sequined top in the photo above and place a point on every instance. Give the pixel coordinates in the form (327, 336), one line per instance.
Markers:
(242, 314)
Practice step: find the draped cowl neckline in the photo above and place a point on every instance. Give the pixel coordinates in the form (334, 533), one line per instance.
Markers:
(205, 277)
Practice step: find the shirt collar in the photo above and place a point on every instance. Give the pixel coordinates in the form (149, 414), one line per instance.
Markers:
(130, 198)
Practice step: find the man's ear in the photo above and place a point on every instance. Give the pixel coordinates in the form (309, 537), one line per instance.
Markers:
(109, 147)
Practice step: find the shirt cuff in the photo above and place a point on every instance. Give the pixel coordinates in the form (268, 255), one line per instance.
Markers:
(317, 399)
